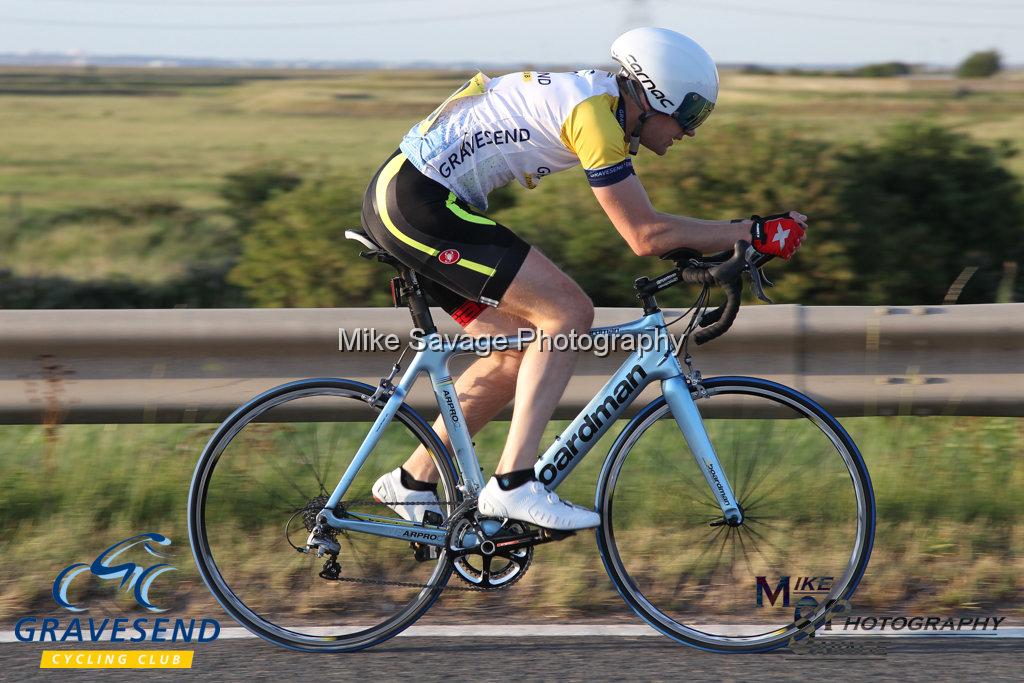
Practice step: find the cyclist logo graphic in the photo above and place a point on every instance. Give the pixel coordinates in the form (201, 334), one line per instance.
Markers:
(132, 575)
(449, 257)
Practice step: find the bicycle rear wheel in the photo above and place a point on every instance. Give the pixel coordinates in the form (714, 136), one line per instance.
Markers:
(258, 485)
(801, 550)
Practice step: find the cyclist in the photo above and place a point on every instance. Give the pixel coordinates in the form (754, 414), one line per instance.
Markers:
(425, 206)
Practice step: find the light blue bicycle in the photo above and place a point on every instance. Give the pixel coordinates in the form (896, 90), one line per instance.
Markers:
(715, 495)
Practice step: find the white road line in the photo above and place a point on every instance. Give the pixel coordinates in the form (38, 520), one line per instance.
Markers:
(598, 630)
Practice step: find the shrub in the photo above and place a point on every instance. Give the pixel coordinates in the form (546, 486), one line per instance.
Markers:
(921, 206)
(247, 189)
(883, 70)
(202, 286)
(980, 65)
(296, 255)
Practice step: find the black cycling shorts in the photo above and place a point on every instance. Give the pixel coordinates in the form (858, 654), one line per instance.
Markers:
(466, 260)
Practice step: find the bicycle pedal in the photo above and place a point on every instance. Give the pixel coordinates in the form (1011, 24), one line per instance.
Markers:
(555, 534)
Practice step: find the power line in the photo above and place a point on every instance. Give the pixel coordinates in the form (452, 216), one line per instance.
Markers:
(170, 4)
(875, 20)
(936, 3)
(306, 24)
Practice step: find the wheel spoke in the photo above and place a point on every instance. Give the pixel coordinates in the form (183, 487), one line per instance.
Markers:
(242, 553)
(300, 451)
(795, 486)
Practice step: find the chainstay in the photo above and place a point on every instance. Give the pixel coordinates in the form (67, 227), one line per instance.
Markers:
(403, 584)
(374, 501)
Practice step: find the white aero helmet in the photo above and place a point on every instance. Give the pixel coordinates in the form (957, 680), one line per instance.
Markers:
(677, 76)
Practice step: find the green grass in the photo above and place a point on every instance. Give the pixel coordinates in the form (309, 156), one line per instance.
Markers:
(949, 495)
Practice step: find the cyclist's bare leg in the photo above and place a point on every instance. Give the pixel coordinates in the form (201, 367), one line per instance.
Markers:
(553, 303)
(484, 388)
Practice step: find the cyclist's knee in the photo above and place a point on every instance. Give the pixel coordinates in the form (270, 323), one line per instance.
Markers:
(573, 310)
(585, 312)
(547, 297)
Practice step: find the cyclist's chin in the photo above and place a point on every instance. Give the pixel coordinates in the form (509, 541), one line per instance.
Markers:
(658, 149)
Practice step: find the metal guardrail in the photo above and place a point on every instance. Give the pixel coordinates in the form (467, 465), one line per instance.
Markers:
(115, 366)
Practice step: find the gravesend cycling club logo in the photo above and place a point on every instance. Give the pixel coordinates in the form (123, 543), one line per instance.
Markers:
(133, 577)
(449, 257)
(130, 565)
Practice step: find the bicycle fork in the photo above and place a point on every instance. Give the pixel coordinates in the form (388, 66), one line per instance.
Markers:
(677, 395)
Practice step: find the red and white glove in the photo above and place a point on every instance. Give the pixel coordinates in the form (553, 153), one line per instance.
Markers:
(776, 235)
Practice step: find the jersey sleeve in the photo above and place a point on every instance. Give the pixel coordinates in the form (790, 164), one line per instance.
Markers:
(594, 135)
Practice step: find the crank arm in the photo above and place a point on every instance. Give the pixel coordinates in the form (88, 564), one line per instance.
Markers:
(537, 537)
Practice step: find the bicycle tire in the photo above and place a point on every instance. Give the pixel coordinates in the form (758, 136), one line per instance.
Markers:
(804, 416)
(336, 637)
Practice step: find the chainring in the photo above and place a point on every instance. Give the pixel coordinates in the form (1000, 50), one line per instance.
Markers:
(478, 560)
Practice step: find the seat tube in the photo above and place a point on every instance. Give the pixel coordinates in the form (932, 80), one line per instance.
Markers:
(677, 394)
(434, 360)
(455, 424)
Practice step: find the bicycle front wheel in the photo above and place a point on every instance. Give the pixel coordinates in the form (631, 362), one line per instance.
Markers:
(258, 485)
(801, 550)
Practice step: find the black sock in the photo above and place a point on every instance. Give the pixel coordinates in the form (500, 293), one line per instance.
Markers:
(512, 480)
(413, 484)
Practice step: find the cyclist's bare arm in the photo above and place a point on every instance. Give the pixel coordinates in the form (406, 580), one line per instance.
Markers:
(649, 232)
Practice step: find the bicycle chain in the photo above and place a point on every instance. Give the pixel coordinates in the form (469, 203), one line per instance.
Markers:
(403, 584)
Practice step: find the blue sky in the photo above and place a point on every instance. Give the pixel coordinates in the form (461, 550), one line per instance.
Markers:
(534, 31)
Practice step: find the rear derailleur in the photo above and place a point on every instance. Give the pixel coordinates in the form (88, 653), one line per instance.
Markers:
(322, 539)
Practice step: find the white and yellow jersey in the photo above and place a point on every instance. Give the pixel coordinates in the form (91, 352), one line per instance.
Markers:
(524, 126)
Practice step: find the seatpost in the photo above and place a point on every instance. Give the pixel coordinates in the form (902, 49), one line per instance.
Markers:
(418, 308)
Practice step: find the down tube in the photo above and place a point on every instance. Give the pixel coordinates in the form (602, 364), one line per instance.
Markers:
(590, 425)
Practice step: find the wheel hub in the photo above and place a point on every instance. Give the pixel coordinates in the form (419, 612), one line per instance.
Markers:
(733, 521)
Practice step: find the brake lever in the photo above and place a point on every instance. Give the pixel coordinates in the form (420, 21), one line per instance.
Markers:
(757, 276)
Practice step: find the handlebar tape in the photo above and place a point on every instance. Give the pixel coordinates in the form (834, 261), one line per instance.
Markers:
(726, 275)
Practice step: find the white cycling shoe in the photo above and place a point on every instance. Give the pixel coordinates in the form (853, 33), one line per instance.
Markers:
(534, 504)
(389, 490)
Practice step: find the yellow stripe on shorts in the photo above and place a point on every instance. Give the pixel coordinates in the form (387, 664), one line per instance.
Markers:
(381, 194)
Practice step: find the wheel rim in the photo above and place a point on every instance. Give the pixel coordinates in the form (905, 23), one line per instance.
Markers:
(677, 609)
(285, 601)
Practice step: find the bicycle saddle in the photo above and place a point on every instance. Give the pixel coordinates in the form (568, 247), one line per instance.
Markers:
(364, 239)
(373, 250)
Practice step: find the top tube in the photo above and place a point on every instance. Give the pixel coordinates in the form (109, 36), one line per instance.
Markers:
(449, 345)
